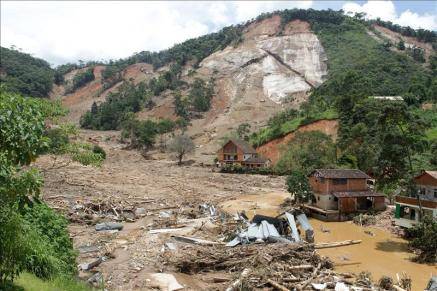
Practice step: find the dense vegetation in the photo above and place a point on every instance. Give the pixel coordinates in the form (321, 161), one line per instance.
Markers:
(424, 238)
(142, 134)
(33, 237)
(24, 74)
(390, 140)
(110, 114)
(421, 34)
(193, 50)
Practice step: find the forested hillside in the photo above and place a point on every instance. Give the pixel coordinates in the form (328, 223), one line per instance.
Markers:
(22, 73)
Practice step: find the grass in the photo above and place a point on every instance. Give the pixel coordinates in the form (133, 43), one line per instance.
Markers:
(29, 282)
(431, 134)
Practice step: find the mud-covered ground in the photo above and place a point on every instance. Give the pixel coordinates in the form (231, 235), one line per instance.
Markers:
(127, 180)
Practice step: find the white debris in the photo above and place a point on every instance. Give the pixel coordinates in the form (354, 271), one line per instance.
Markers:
(166, 281)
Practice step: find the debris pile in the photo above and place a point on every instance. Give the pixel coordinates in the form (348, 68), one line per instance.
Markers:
(282, 228)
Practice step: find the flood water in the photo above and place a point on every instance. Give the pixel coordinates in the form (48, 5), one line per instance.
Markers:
(381, 254)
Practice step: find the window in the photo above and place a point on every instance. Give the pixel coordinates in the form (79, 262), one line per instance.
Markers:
(422, 191)
(318, 198)
(340, 181)
(335, 199)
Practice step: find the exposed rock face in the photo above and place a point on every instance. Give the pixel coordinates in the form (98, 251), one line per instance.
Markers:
(261, 76)
(272, 68)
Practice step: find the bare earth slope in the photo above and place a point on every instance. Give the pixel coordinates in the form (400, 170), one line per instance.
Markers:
(272, 149)
(260, 76)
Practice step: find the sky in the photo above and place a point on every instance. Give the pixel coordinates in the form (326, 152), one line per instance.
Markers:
(61, 31)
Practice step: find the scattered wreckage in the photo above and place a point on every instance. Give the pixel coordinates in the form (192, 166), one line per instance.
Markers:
(264, 252)
(282, 228)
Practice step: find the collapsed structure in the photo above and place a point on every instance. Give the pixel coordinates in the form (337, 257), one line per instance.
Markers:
(282, 228)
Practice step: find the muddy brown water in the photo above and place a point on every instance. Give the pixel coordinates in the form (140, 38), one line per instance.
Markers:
(380, 252)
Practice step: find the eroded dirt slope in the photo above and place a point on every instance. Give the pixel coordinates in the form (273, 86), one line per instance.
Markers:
(265, 73)
(272, 150)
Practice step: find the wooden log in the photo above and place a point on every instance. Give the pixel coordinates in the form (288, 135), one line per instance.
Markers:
(336, 244)
(236, 283)
(347, 264)
(313, 275)
(277, 285)
(300, 267)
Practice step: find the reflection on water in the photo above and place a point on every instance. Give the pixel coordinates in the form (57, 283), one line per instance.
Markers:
(380, 252)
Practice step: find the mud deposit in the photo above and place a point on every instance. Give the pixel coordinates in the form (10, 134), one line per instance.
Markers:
(381, 254)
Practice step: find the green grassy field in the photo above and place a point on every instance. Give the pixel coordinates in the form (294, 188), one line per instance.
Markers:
(29, 282)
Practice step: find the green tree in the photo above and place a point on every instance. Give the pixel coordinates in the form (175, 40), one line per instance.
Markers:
(181, 108)
(32, 236)
(401, 45)
(298, 186)
(243, 131)
(424, 237)
(306, 152)
(24, 74)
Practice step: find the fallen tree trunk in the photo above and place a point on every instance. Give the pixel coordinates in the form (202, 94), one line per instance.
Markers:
(336, 244)
(277, 285)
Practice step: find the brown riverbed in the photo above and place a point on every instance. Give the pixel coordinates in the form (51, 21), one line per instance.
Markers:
(382, 253)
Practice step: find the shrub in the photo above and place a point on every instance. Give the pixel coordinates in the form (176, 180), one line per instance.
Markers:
(51, 245)
(100, 151)
(80, 79)
(424, 237)
(58, 140)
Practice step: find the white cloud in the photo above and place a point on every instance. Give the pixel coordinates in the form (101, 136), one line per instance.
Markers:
(69, 31)
(386, 11)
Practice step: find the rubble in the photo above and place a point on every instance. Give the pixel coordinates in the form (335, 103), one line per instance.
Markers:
(109, 226)
(282, 228)
(90, 265)
(166, 281)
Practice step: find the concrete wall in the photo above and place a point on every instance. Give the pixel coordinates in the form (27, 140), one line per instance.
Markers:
(326, 202)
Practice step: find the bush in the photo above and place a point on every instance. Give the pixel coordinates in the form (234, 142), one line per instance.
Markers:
(424, 237)
(48, 235)
(237, 169)
(58, 140)
(100, 151)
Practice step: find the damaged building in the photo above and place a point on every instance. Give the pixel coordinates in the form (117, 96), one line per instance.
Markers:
(341, 192)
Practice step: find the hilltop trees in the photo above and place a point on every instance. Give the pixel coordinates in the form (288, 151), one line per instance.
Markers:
(110, 114)
(22, 73)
